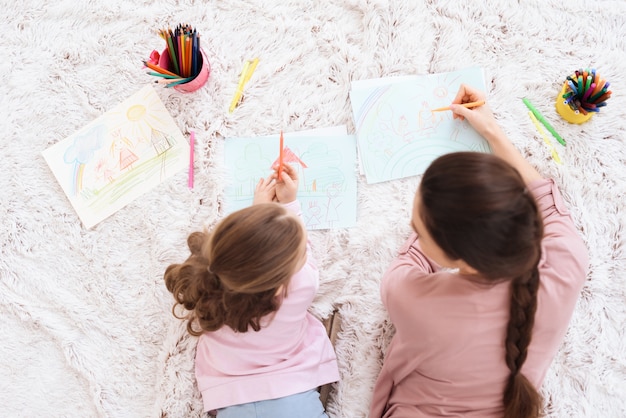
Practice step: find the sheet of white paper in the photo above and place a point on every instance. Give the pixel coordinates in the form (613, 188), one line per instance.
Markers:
(326, 169)
(397, 133)
(119, 156)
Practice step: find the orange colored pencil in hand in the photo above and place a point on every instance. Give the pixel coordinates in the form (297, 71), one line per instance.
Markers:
(467, 105)
(280, 156)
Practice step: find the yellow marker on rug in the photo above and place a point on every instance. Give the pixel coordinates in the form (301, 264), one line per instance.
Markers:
(248, 68)
(543, 120)
(555, 155)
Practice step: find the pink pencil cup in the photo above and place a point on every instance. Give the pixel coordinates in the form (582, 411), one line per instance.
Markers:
(200, 79)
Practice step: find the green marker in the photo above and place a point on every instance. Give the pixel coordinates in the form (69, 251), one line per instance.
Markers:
(541, 119)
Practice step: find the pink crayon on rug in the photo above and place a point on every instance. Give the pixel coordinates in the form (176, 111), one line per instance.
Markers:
(191, 151)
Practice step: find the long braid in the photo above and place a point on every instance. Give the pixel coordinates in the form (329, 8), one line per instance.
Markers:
(521, 399)
(498, 233)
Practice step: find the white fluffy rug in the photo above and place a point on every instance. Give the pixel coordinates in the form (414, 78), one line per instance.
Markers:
(86, 323)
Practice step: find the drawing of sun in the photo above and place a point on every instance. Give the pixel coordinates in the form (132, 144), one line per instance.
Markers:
(444, 83)
(137, 119)
(135, 112)
(440, 91)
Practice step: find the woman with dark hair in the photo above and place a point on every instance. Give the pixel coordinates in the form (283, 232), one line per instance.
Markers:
(482, 292)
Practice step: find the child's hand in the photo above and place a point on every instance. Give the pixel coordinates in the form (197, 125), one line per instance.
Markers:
(287, 186)
(265, 191)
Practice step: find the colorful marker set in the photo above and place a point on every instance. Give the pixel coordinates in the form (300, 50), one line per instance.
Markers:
(586, 91)
(185, 57)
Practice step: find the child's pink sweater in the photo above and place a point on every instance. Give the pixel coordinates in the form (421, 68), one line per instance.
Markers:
(447, 356)
(290, 354)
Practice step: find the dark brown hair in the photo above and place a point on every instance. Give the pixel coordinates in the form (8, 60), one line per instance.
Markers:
(477, 209)
(233, 274)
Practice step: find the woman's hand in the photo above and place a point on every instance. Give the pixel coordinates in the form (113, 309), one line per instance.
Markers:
(481, 118)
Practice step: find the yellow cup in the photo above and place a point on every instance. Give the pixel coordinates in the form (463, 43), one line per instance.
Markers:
(567, 112)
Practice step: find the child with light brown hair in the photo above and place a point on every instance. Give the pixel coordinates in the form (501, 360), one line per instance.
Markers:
(246, 289)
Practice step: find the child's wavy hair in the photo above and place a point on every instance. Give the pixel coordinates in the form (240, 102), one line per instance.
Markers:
(477, 208)
(234, 274)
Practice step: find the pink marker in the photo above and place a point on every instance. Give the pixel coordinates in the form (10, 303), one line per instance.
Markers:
(191, 144)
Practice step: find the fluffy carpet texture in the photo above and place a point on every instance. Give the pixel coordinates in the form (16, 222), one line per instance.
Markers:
(87, 328)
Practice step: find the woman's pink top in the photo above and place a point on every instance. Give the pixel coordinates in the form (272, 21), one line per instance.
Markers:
(446, 358)
(290, 354)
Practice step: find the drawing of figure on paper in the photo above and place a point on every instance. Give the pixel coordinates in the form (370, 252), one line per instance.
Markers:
(321, 183)
(323, 169)
(378, 139)
(333, 203)
(313, 215)
(403, 130)
(121, 150)
(427, 120)
(324, 184)
(106, 169)
(390, 125)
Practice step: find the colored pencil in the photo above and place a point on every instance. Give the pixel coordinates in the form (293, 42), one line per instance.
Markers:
(174, 81)
(177, 82)
(188, 59)
(280, 155)
(183, 48)
(467, 105)
(191, 152)
(172, 52)
(163, 75)
(158, 69)
(183, 70)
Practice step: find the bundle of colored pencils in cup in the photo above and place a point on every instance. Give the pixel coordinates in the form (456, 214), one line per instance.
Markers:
(183, 49)
(586, 91)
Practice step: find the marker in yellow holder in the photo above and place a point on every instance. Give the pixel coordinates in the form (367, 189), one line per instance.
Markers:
(567, 113)
(583, 94)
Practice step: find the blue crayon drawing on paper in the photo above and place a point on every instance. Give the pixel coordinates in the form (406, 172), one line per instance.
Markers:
(326, 166)
(398, 134)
